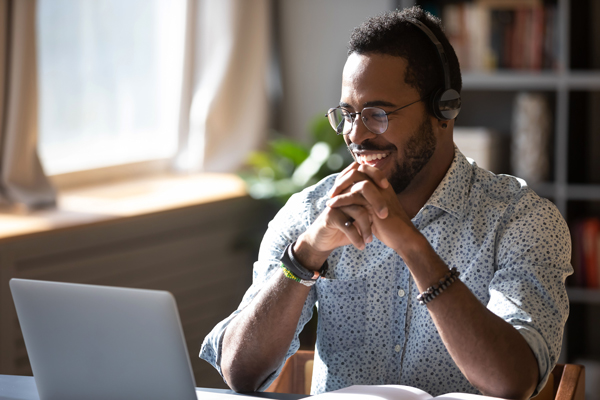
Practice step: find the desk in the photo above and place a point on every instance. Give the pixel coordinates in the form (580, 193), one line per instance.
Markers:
(14, 387)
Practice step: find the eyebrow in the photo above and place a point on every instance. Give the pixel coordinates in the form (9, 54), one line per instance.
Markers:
(374, 103)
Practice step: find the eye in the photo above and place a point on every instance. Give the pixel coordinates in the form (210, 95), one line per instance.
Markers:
(377, 115)
(347, 116)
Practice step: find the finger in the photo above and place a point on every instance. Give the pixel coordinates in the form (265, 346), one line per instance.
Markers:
(354, 222)
(350, 167)
(375, 175)
(342, 176)
(374, 197)
(359, 220)
(365, 194)
(343, 183)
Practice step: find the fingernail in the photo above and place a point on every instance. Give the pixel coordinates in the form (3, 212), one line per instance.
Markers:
(328, 203)
(383, 213)
(369, 239)
(385, 183)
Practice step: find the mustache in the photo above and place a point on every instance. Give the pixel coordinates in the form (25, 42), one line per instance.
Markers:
(368, 146)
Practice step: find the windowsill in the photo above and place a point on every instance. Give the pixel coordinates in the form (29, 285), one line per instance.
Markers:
(110, 201)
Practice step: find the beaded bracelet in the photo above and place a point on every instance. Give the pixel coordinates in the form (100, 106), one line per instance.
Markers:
(433, 291)
(290, 275)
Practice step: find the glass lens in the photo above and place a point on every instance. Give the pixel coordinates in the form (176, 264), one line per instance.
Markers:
(375, 119)
(340, 120)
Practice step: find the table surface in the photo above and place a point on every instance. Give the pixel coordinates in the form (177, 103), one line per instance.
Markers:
(14, 387)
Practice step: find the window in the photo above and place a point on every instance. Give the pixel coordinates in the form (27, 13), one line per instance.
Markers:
(110, 74)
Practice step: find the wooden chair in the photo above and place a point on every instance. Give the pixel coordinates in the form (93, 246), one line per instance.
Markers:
(296, 375)
(567, 381)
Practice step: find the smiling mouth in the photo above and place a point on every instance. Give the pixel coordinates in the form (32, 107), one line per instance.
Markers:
(370, 158)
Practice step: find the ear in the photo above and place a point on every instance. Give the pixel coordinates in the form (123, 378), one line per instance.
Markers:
(443, 130)
(444, 125)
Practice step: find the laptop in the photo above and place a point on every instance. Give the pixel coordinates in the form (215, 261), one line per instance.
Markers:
(100, 342)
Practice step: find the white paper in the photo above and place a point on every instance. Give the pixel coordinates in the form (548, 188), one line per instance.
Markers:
(200, 395)
(392, 392)
(368, 392)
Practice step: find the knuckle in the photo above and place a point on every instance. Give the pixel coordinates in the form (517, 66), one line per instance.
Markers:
(356, 188)
(364, 168)
(363, 212)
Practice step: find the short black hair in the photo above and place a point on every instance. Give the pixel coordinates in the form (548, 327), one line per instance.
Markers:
(391, 34)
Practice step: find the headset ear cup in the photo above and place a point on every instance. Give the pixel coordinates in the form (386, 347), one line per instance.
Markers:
(446, 104)
(434, 103)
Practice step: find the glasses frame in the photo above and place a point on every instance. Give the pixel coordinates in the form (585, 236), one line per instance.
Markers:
(354, 114)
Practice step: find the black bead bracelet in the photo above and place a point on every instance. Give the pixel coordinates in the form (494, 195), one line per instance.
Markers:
(433, 291)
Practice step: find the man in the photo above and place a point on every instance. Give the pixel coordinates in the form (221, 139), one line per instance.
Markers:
(411, 213)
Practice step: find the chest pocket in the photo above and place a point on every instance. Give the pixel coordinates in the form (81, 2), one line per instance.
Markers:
(342, 309)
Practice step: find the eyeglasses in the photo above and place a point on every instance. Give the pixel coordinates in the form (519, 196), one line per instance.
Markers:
(374, 118)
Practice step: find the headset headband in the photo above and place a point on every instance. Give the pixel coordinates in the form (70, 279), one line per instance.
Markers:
(445, 102)
(438, 46)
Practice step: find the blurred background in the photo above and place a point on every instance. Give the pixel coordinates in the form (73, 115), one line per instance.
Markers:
(146, 143)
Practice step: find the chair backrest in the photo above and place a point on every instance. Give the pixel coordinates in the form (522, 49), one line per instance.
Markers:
(567, 381)
(296, 375)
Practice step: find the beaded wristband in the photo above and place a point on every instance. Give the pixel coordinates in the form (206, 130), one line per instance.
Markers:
(289, 274)
(433, 291)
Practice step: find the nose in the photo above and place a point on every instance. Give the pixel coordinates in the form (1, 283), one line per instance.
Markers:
(359, 132)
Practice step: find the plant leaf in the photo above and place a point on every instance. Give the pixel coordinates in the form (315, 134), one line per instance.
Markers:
(294, 151)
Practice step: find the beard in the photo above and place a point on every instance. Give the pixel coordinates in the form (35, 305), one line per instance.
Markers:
(417, 153)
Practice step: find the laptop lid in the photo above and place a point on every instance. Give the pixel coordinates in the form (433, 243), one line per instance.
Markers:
(101, 342)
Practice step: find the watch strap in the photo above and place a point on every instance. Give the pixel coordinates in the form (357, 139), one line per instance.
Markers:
(293, 265)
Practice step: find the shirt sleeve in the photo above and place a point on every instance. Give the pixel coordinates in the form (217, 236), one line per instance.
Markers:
(528, 289)
(292, 220)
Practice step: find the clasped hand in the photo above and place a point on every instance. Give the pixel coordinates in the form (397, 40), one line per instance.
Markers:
(361, 194)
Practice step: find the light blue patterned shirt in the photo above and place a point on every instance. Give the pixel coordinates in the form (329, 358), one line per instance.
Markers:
(512, 249)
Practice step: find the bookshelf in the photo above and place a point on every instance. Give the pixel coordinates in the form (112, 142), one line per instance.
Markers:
(584, 296)
(572, 85)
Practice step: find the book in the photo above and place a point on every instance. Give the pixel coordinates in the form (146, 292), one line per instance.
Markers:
(510, 34)
(531, 135)
(391, 392)
(586, 253)
(483, 145)
(591, 230)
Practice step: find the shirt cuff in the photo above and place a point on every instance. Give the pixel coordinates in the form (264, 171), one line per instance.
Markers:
(213, 343)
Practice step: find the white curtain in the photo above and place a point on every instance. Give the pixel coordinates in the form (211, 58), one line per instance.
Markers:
(22, 178)
(224, 103)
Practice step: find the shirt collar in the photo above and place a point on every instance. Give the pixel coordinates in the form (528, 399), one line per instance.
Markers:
(452, 192)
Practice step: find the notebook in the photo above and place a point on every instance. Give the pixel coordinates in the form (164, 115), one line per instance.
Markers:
(100, 342)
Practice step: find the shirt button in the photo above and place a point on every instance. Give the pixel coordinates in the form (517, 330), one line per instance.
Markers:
(397, 348)
(401, 293)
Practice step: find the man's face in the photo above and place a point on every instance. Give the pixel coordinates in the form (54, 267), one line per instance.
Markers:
(409, 142)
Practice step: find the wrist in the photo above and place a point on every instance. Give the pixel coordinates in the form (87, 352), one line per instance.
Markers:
(412, 244)
(307, 255)
(424, 263)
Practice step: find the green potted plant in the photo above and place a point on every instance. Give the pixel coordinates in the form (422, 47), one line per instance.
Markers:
(287, 166)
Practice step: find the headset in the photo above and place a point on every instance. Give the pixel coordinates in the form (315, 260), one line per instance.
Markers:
(445, 101)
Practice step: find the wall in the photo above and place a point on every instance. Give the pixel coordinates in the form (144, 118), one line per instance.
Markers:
(313, 37)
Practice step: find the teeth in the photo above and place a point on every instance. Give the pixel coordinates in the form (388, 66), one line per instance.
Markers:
(371, 157)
